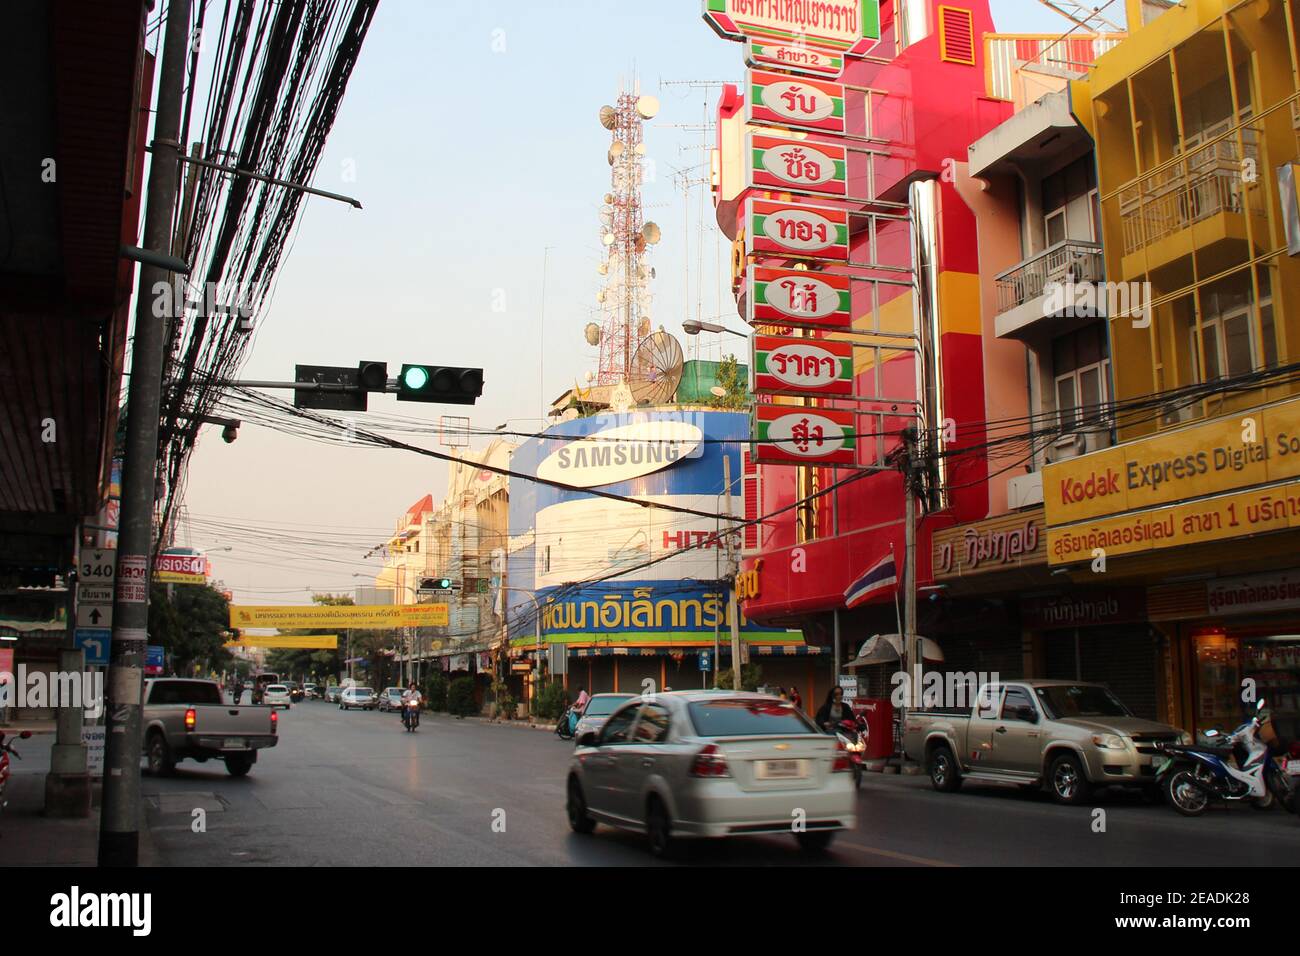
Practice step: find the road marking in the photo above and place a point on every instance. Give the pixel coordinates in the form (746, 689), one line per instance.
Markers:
(895, 855)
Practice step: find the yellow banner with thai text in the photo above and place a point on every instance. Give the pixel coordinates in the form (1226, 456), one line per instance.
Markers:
(362, 615)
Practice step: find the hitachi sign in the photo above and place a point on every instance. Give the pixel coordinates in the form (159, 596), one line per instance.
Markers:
(622, 453)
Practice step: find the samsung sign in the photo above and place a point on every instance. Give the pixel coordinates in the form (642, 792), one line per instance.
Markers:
(621, 453)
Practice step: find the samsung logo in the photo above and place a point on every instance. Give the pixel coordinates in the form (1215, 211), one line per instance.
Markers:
(619, 454)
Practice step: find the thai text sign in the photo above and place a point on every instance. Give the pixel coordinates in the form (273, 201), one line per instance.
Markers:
(796, 230)
(1208, 519)
(799, 298)
(1250, 448)
(1251, 594)
(802, 366)
(360, 615)
(776, 162)
(1008, 541)
(795, 57)
(180, 568)
(780, 100)
(846, 25)
(1085, 608)
(789, 434)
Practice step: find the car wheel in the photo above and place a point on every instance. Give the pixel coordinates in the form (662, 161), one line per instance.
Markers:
(944, 775)
(1067, 781)
(239, 765)
(576, 807)
(816, 841)
(160, 759)
(659, 830)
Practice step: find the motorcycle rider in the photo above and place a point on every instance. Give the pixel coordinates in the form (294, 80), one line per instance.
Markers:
(412, 698)
(833, 710)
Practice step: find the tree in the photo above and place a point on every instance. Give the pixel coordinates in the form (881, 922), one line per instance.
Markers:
(735, 389)
(191, 624)
(751, 675)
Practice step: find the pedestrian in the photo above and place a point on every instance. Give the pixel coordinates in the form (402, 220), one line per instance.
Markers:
(780, 692)
(795, 698)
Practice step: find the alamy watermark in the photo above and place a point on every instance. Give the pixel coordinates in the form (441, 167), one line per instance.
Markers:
(955, 689)
(1112, 299)
(40, 688)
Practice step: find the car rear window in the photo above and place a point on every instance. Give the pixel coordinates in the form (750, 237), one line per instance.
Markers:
(184, 692)
(740, 717)
(276, 688)
(603, 705)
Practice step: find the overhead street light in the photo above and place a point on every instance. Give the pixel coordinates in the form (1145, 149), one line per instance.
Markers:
(695, 327)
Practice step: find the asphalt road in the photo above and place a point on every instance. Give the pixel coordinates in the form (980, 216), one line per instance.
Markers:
(353, 788)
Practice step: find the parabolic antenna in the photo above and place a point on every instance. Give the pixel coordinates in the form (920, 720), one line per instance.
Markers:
(608, 115)
(592, 333)
(643, 327)
(651, 232)
(656, 369)
(600, 295)
(647, 106)
(603, 268)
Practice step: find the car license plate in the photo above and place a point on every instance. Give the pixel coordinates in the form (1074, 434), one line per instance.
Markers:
(780, 770)
(233, 743)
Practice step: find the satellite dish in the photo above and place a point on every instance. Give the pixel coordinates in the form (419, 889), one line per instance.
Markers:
(609, 198)
(647, 106)
(656, 369)
(600, 295)
(643, 327)
(607, 238)
(651, 232)
(639, 243)
(592, 334)
(589, 377)
(615, 149)
(639, 149)
(603, 268)
(608, 116)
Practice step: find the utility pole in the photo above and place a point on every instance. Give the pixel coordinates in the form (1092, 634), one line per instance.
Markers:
(911, 643)
(732, 568)
(119, 833)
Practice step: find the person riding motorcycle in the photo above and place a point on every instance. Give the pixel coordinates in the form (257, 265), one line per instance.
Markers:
(833, 710)
(412, 698)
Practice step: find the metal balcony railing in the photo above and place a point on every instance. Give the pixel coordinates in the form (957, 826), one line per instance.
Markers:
(1068, 261)
(1211, 179)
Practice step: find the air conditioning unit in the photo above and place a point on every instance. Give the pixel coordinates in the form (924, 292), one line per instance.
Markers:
(1024, 491)
(1085, 268)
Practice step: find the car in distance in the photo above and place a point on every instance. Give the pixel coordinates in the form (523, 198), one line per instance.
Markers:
(391, 699)
(1069, 737)
(711, 764)
(310, 691)
(597, 711)
(332, 693)
(276, 695)
(361, 698)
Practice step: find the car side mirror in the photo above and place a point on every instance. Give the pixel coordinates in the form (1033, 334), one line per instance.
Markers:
(589, 739)
(1027, 714)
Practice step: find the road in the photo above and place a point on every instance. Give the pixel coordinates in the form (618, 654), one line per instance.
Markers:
(352, 788)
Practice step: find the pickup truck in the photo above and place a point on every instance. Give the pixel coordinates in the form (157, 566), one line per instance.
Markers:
(187, 719)
(1067, 736)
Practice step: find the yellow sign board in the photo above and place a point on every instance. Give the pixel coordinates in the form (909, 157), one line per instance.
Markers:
(1250, 448)
(315, 641)
(178, 577)
(359, 615)
(1209, 519)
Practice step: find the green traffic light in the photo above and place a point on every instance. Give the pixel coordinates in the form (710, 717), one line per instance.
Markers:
(415, 377)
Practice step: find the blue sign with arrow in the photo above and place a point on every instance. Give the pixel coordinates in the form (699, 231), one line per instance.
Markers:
(94, 641)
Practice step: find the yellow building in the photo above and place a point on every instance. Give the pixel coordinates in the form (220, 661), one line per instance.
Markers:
(1195, 119)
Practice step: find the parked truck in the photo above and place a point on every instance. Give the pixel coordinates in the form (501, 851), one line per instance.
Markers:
(186, 719)
(1068, 736)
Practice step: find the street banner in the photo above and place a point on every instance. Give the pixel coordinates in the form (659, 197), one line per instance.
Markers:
(315, 641)
(791, 229)
(358, 615)
(791, 434)
(802, 366)
(847, 26)
(777, 100)
(798, 297)
(782, 163)
(180, 569)
(796, 58)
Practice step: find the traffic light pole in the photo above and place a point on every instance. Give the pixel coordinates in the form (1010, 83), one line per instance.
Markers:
(119, 833)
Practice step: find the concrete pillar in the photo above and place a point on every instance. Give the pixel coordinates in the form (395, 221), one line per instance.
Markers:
(67, 785)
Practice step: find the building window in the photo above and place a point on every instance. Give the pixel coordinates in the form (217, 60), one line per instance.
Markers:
(1081, 372)
(1070, 203)
(1227, 339)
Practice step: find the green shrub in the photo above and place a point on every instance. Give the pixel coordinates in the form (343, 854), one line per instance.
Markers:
(460, 697)
(435, 692)
(751, 675)
(550, 701)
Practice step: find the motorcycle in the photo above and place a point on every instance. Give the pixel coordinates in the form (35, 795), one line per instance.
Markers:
(1241, 768)
(852, 734)
(567, 724)
(410, 716)
(5, 751)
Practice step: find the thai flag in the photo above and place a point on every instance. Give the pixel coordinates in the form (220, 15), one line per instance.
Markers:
(881, 576)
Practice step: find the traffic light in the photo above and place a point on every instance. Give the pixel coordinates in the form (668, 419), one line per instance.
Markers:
(439, 383)
(435, 584)
(373, 376)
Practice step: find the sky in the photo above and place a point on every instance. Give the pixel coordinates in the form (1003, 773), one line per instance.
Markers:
(469, 133)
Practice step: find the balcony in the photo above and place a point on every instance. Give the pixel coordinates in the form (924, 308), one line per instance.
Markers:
(1023, 291)
(1196, 202)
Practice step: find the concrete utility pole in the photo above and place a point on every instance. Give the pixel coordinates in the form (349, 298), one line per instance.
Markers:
(911, 643)
(732, 568)
(119, 832)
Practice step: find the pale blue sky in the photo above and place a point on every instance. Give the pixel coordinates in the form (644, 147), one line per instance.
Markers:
(473, 133)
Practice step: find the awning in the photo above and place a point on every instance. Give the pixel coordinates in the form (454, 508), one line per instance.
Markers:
(885, 649)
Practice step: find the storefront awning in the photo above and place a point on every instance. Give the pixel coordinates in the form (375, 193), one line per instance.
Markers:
(886, 649)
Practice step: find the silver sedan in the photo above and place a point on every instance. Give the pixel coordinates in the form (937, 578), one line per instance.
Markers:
(711, 764)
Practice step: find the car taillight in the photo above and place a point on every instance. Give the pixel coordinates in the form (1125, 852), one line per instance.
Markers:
(190, 719)
(842, 762)
(710, 762)
(275, 721)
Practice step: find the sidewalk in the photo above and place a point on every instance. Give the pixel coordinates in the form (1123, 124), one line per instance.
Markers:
(526, 724)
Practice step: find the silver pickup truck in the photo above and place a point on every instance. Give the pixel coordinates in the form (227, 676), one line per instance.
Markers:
(187, 719)
(1069, 736)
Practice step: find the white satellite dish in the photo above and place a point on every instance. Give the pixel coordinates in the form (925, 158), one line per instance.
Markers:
(607, 238)
(608, 116)
(639, 149)
(589, 377)
(609, 198)
(651, 232)
(600, 295)
(603, 268)
(592, 334)
(647, 106)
